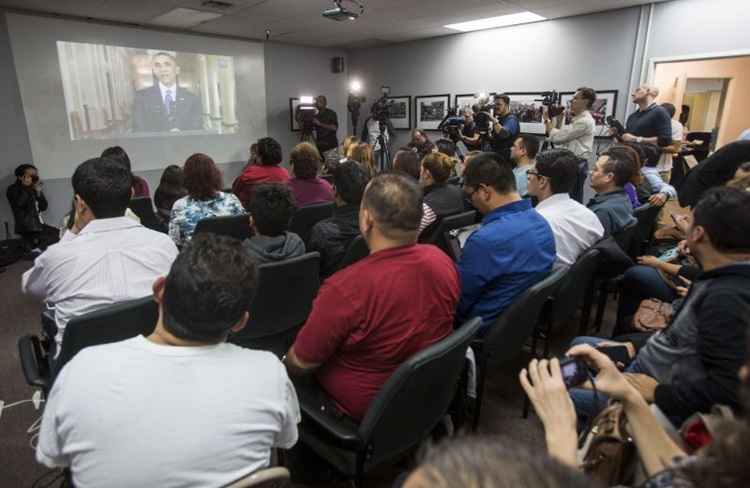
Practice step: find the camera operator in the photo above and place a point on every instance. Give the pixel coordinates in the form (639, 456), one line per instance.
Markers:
(326, 124)
(469, 132)
(378, 132)
(505, 127)
(578, 136)
(651, 122)
(27, 202)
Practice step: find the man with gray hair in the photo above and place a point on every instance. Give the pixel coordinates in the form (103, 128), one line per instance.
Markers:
(373, 315)
(651, 122)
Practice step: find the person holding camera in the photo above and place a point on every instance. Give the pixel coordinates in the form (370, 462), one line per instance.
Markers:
(469, 133)
(326, 124)
(505, 127)
(27, 201)
(578, 136)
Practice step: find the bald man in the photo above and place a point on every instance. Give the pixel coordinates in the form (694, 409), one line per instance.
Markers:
(651, 122)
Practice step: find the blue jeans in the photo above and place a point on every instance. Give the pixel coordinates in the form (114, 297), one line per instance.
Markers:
(588, 403)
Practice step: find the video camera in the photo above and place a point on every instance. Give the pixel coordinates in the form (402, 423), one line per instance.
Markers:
(553, 101)
(483, 114)
(616, 125)
(381, 108)
(451, 125)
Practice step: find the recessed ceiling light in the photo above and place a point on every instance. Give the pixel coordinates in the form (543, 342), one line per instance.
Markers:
(184, 17)
(501, 21)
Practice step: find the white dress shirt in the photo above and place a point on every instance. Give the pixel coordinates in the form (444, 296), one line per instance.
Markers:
(109, 261)
(172, 90)
(576, 228)
(578, 136)
(136, 413)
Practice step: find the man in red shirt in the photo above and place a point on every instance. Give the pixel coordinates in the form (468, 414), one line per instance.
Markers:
(373, 315)
(266, 169)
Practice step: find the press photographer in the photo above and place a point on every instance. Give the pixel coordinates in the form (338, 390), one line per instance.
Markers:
(578, 135)
(505, 127)
(326, 124)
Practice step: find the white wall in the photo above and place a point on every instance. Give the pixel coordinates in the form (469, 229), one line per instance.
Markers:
(563, 54)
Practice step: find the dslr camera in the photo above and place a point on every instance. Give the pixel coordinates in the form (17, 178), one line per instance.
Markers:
(553, 101)
(615, 124)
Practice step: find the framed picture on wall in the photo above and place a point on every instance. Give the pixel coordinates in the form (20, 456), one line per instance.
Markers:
(293, 124)
(467, 101)
(400, 112)
(430, 110)
(604, 106)
(527, 107)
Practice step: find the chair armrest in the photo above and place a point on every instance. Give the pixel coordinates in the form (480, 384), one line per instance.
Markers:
(319, 408)
(33, 361)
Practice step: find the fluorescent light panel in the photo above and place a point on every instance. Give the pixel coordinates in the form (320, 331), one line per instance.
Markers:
(491, 22)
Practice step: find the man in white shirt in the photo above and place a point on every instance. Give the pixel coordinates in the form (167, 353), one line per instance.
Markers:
(105, 258)
(575, 227)
(578, 136)
(668, 152)
(522, 153)
(180, 407)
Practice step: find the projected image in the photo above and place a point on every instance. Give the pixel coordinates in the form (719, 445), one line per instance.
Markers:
(115, 91)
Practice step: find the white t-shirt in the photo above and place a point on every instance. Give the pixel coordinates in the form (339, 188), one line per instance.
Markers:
(666, 159)
(136, 413)
(575, 227)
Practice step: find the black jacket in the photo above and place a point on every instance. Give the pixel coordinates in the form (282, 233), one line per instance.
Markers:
(331, 237)
(150, 115)
(26, 204)
(445, 199)
(715, 170)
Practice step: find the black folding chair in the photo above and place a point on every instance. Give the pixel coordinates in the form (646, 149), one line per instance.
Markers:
(115, 323)
(285, 294)
(357, 250)
(437, 235)
(505, 339)
(144, 209)
(306, 217)
(237, 226)
(411, 403)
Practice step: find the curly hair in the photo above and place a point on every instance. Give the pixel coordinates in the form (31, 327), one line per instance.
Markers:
(202, 177)
(272, 208)
(305, 161)
(269, 151)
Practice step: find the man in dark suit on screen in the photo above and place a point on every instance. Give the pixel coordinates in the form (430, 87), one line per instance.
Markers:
(165, 106)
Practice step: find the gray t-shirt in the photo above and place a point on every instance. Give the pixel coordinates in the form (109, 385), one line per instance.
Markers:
(136, 413)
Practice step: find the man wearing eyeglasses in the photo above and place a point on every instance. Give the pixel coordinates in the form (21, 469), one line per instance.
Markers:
(578, 136)
(512, 250)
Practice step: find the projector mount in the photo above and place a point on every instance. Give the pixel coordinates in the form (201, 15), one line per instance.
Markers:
(340, 13)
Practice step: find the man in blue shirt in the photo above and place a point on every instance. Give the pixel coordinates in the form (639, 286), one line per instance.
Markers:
(512, 250)
(505, 127)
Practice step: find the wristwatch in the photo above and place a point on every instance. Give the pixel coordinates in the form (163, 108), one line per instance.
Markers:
(639, 139)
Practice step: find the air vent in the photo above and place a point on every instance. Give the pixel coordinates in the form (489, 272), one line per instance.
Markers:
(217, 4)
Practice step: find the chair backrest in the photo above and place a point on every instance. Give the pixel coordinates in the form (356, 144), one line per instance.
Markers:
(626, 236)
(357, 250)
(115, 323)
(285, 294)
(646, 215)
(276, 477)
(506, 337)
(306, 217)
(416, 396)
(447, 224)
(237, 226)
(144, 209)
(574, 285)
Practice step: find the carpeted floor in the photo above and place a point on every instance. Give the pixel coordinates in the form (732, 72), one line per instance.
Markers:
(501, 413)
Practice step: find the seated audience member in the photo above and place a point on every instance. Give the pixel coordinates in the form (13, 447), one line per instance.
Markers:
(204, 199)
(270, 212)
(349, 141)
(722, 463)
(636, 183)
(741, 178)
(27, 201)
(575, 227)
(421, 143)
(692, 364)
(660, 191)
(140, 186)
(493, 462)
(375, 314)
(406, 161)
(267, 170)
(715, 170)
(105, 257)
(306, 186)
(446, 146)
(331, 237)
(149, 389)
(611, 171)
(512, 250)
(440, 197)
(362, 153)
(171, 188)
(523, 153)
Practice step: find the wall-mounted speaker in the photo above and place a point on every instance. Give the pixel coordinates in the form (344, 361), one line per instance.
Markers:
(337, 64)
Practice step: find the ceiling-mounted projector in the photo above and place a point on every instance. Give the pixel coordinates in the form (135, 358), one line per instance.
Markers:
(340, 13)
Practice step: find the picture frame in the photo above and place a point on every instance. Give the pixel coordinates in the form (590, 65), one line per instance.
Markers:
(293, 124)
(467, 100)
(604, 106)
(400, 112)
(527, 107)
(429, 110)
